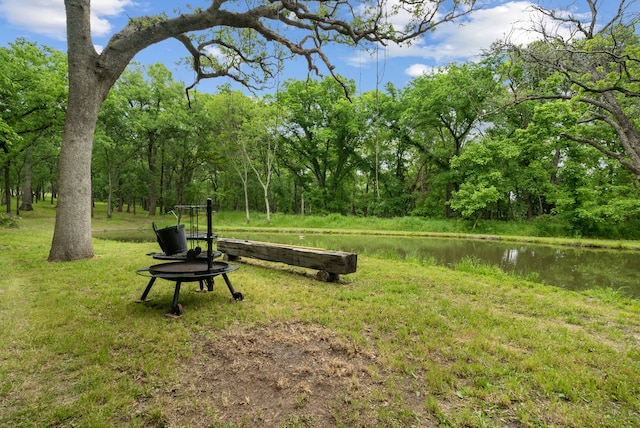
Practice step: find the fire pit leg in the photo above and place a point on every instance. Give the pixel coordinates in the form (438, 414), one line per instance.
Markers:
(146, 290)
(177, 308)
(209, 282)
(236, 294)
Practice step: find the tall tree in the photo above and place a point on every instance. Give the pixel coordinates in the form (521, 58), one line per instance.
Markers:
(591, 61)
(155, 116)
(260, 143)
(244, 32)
(115, 143)
(444, 110)
(233, 138)
(322, 138)
(485, 166)
(32, 103)
(381, 187)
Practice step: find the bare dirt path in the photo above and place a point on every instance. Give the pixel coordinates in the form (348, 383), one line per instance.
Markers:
(285, 374)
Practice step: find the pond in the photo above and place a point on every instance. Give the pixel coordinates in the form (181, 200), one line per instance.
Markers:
(570, 268)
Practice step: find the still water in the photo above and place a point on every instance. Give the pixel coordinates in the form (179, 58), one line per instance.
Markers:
(570, 268)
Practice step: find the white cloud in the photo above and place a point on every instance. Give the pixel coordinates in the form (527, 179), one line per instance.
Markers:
(47, 17)
(417, 70)
(459, 41)
(214, 51)
(464, 39)
(40, 16)
(467, 38)
(362, 57)
(109, 7)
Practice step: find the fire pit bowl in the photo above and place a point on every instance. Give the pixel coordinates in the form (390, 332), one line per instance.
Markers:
(180, 268)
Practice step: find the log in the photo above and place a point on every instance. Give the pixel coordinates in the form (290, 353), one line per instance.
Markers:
(330, 263)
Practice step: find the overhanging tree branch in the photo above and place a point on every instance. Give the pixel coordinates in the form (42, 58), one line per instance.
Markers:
(617, 156)
(331, 22)
(592, 61)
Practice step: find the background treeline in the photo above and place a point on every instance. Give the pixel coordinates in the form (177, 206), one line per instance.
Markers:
(452, 144)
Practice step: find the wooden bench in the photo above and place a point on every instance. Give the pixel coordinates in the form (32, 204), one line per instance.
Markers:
(330, 264)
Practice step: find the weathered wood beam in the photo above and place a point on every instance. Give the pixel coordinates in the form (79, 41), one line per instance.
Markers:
(330, 263)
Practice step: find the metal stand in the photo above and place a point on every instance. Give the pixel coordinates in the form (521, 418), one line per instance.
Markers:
(191, 268)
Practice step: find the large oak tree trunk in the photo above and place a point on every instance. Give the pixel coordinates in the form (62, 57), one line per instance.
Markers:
(72, 234)
(87, 89)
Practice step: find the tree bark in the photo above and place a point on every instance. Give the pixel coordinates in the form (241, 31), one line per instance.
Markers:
(87, 89)
(27, 189)
(245, 187)
(7, 186)
(110, 196)
(153, 188)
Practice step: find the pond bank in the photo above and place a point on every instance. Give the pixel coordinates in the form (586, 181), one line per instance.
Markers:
(570, 242)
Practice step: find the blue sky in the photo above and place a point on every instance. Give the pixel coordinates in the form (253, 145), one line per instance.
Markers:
(43, 21)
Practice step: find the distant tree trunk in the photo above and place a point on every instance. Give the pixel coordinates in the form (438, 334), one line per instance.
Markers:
(265, 188)
(18, 200)
(475, 223)
(448, 194)
(153, 188)
(245, 186)
(54, 192)
(267, 206)
(7, 186)
(27, 189)
(529, 206)
(110, 197)
(120, 197)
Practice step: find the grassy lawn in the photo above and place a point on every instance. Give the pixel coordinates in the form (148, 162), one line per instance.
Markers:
(395, 344)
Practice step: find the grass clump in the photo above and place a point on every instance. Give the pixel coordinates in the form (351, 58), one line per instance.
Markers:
(7, 221)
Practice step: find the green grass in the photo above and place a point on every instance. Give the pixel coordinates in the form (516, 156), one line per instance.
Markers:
(470, 346)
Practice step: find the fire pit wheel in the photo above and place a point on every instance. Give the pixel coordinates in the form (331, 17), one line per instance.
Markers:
(238, 296)
(177, 309)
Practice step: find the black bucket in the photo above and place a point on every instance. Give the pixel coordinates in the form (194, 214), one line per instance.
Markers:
(172, 239)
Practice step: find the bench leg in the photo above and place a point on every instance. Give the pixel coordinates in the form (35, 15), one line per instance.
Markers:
(325, 276)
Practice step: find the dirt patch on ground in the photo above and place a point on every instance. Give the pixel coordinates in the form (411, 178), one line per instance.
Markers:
(285, 374)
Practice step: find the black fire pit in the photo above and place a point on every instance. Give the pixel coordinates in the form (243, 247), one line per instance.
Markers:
(193, 265)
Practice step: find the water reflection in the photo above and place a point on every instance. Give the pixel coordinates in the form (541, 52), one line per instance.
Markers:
(570, 268)
(510, 256)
